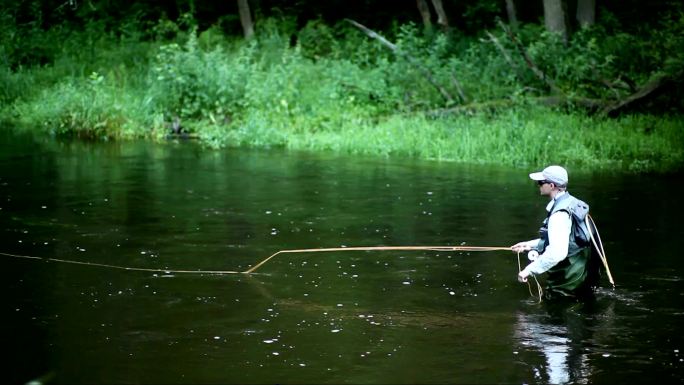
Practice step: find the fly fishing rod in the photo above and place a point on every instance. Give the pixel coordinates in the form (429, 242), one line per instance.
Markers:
(380, 248)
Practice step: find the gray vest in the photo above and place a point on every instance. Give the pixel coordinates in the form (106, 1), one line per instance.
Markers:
(579, 233)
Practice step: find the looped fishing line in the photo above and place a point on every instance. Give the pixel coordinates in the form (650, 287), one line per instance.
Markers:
(599, 246)
(529, 286)
(164, 271)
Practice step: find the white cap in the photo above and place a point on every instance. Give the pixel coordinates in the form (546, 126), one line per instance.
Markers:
(555, 174)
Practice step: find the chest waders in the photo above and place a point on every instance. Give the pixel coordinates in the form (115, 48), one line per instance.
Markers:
(576, 274)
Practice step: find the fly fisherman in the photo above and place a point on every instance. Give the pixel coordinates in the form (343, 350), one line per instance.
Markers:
(563, 249)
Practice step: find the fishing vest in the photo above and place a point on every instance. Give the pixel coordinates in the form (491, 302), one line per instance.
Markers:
(569, 276)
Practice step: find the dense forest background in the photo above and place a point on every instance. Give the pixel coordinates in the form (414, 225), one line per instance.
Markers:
(459, 80)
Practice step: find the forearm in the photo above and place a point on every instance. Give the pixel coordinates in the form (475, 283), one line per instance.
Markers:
(551, 256)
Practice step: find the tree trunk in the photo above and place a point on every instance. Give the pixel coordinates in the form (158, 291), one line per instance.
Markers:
(586, 12)
(554, 18)
(510, 11)
(246, 19)
(424, 13)
(441, 15)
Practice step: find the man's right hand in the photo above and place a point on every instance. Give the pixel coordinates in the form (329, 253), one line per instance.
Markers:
(522, 276)
(520, 247)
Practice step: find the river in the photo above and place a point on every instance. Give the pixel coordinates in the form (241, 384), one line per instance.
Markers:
(85, 211)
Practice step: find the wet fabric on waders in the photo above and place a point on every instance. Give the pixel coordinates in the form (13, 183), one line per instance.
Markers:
(573, 275)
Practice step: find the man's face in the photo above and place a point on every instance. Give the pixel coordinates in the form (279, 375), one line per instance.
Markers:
(545, 187)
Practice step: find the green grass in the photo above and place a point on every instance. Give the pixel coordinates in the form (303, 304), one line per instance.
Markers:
(514, 137)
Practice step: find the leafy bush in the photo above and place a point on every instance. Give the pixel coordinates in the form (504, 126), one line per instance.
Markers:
(188, 83)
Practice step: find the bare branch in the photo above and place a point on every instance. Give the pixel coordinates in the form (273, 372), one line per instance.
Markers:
(426, 72)
(528, 60)
(505, 54)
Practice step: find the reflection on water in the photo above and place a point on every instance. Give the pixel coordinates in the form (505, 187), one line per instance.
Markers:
(565, 335)
(367, 317)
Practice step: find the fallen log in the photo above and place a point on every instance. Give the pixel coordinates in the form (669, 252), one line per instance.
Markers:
(650, 89)
(550, 101)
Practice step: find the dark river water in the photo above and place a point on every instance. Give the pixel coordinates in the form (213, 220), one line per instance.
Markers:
(338, 317)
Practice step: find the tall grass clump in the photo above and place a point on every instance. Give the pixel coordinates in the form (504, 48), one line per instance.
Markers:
(91, 108)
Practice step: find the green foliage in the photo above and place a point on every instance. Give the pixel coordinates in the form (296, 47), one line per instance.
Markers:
(189, 83)
(80, 107)
(13, 84)
(671, 38)
(338, 90)
(316, 40)
(165, 30)
(578, 66)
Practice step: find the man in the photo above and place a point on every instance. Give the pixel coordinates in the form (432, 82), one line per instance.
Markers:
(563, 250)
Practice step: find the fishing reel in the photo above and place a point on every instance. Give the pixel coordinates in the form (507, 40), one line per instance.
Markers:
(533, 255)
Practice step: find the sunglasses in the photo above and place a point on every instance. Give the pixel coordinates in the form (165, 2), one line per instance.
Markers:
(542, 182)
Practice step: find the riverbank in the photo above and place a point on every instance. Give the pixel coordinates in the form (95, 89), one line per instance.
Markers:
(266, 94)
